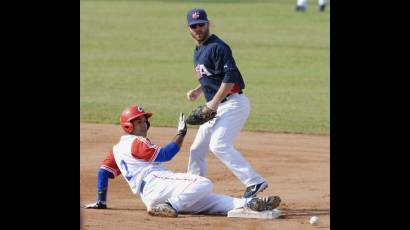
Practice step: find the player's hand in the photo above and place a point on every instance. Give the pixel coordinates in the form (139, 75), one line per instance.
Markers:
(193, 94)
(96, 205)
(182, 125)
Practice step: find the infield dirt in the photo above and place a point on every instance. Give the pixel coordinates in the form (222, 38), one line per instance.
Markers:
(296, 166)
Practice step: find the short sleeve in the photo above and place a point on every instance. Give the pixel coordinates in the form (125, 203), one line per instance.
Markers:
(224, 61)
(110, 165)
(143, 149)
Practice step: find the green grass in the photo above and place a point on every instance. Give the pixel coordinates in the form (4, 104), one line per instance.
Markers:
(141, 52)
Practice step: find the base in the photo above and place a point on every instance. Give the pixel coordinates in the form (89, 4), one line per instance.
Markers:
(246, 213)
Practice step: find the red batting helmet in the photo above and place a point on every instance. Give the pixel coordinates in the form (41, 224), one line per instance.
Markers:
(130, 114)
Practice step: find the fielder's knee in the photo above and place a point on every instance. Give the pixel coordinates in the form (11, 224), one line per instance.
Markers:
(220, 148)
(198, 154)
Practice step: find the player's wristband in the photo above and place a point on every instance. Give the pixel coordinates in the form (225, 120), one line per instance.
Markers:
(182, 132)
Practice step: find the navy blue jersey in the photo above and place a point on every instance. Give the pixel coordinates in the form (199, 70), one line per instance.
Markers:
(214, 64)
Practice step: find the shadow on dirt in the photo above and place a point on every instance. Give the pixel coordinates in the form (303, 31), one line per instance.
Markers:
(297, 213)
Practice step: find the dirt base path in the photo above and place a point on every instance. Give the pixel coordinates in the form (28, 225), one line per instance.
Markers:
(297, 168)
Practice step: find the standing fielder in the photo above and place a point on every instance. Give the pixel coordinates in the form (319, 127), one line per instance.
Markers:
(164, 192)
(222, 85)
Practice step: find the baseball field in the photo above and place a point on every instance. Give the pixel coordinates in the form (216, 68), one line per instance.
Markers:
(140, 52)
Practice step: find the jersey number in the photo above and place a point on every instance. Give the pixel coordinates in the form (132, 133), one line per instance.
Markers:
(128, 175)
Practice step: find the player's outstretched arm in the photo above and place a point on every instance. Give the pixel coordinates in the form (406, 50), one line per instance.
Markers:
(167, 152)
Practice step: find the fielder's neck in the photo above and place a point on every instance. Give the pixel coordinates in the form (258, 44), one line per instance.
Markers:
(202, 42)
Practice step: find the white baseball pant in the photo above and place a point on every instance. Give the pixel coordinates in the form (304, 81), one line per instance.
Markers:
(187, 193)
(218, 135)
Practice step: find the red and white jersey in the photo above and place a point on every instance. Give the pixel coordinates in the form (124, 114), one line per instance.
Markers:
(133, 157)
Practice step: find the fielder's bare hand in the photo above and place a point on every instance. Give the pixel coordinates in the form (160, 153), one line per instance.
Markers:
(193, 94)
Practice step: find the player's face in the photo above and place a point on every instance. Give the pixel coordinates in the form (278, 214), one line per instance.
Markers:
(140, 126)
(199, 31)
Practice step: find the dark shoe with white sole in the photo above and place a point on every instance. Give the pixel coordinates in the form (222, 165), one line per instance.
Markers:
(253, 190)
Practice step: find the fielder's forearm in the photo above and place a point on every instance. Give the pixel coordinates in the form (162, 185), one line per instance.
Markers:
(220, 95)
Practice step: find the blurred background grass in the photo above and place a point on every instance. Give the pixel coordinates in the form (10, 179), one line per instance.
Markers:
(140, 52)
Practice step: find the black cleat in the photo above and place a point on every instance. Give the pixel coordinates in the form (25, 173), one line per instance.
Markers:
(251, 191)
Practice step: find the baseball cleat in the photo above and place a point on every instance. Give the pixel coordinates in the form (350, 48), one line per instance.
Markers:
(264, 203)
(163, 210)
(97, 205)
(251, 191)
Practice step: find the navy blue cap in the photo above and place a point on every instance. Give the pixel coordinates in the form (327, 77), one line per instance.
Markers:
(196, 16)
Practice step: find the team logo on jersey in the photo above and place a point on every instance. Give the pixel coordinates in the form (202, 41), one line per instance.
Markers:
(201, 71)
(195, 15)
(140, 109)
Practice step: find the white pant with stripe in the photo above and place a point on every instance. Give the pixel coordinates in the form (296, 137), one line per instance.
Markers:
(187, 193)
